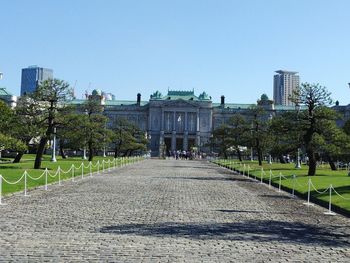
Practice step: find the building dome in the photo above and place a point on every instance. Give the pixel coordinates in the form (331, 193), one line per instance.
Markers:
(96, 92)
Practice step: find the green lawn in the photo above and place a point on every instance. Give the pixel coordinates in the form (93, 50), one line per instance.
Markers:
(13, 172)
(322, 180)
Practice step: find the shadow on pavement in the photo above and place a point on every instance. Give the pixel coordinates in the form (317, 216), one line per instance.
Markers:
(206, 178)
(254, 230)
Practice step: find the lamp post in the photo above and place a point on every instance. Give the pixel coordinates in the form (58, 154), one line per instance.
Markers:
(84, 150)
(298, 165)
(104, 141)
(270, 120)
(53, 156)
(251, 148)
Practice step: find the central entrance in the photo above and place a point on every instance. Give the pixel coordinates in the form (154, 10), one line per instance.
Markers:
(191, 143)
(167, 142)
(179, 143)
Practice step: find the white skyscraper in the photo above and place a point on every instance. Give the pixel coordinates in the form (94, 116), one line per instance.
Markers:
(283, 85)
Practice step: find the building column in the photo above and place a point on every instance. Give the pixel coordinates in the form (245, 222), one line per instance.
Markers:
(173, 141)
(185, 141)
(198, 134)
(173, 135)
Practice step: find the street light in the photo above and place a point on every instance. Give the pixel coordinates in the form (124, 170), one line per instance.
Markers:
(298, 165)
(53, 156)
(104, 141)
(84, 150)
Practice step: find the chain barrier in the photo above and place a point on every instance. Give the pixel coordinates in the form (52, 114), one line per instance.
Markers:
(48, 174)
(247, 172)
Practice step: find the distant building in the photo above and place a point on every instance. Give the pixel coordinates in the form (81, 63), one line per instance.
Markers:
(32, 76)
(283, 85)
(179, 120)
(8, 98)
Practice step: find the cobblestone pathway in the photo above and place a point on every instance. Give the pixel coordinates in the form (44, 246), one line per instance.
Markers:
(168, 211)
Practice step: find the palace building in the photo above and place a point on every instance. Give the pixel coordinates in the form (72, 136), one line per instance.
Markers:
(178, 120)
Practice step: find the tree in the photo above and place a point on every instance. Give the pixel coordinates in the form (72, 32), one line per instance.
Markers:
(221, 139)
(95, 126)
(7, 128)
(127, 138)
(238, 133)
(315, 98)
(48, 100)
(285, 134)
(259, 131)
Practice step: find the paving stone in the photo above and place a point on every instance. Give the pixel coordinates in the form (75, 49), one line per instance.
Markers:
(168, 211)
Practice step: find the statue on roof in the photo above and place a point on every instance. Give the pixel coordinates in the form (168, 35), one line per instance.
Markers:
(204, 96)
(156, 95)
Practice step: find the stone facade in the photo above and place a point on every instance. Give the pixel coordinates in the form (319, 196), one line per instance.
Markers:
(179, 120)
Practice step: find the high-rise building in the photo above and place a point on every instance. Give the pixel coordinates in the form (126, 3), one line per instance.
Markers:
(283, 85)
(32, 76)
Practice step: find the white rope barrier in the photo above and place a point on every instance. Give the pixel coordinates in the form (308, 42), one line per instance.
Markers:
(295, 182)
(37, 178)
(345, 198)
(114, 163)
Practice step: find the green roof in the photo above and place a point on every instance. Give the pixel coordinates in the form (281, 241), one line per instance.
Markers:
(4, 92)
(235, 105)
(111, 102)
(180, 94)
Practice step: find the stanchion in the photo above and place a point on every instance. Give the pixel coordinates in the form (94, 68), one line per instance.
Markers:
(103, 165)
(262, 175)
(270, 179)
(98, 167)
(73, 167)
(59, 175)
(82, 170)
(46, 172)
(25, 183)
(293, 189)
(280, 182)
(248, 170)
(90, 164)
(1, 203)
(308, 194)
(329, 212)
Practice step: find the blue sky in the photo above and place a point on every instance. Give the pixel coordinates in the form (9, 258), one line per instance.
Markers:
(229, 48)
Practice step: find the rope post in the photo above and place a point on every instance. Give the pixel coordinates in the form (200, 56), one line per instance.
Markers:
(243, 169)
(262, 175)
(98, 167)
(25, 183)
(46, 172)
(248, 171)
(308, 193)
(280, 182)
(59, 175)
(293, 189)
(270, 178)
(82, 170)
(329, 212)
(90, 164)
(73, 167)
(1, 190)
(109, 165)
(103, 165)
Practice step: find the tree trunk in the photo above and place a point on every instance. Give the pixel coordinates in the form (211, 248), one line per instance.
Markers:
(18, 157)
(312, 162)
(115, 153)
(91, 151)
(259, 156)
(331, 163)
(40, 152)
(62, 152)
(280, 157)
(239, 154)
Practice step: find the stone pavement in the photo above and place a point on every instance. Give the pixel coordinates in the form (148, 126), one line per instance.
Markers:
(168, 211)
